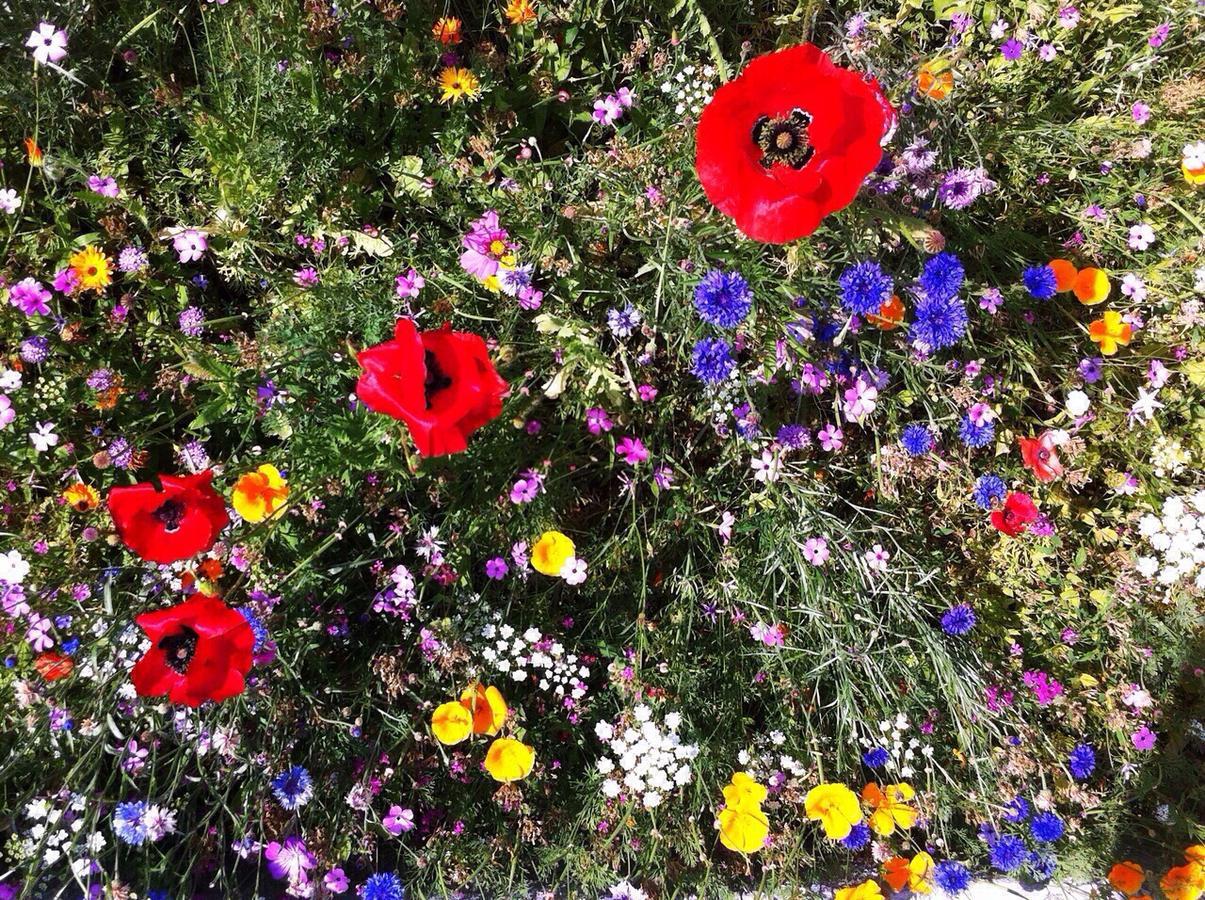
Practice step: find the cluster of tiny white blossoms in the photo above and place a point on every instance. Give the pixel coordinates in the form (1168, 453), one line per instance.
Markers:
(1168, 456)
(56, 831)
(652, 760)
(901, 754)
(1177, 537)
(767, 763)
(532, 656)
(690, 88)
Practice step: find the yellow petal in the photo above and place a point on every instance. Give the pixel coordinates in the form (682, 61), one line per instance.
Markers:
(451, 723)
(509, 760)
(743, 828)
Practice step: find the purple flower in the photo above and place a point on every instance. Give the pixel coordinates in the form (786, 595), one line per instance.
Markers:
(485, 244)
(190, 244)
(1159, 35)
(632, 450)
(496, 568)
(1141, 112)
(409, 284)
(1012, 49)
(398, 820)
(597, 420)
(106, 186)
(29, 296)
(192, 321)
(1143, 738)
(290, 860)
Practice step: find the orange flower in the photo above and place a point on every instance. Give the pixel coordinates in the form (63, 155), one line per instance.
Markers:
(1196, 854)
(451, 723)
(509, 760)
(1064, 274)
(447, 30)
(890, 314)
(486, 706)
(52, 666)
(33, 152)
(935, 80)
(1127, 877)
(1110, 332)
(895, 873)
(520, 12)
(1186, 882)
(81, 497)
(211, 568)
(890, 807)
(1091, 286)
(260, 494)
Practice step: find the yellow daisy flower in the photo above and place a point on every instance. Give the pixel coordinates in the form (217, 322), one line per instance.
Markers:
(91, 266)
(458, 84)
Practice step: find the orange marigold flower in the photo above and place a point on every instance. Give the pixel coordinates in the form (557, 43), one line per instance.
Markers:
(92, 268)
(1127, 877)
(260, 494)
(446, 30)
(81, 497)
(1110, 332)
(935, 80)
(520, 12)
(1186, 882)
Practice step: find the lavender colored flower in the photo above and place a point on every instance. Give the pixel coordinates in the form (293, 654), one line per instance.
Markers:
(35, 349)
(192, 321)
(132, 259)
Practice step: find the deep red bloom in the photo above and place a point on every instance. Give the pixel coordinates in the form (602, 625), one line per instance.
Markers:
(176, 522)
(53, 665)
(1041, 456)
(789, 141)
(440, 383)
(200, 650)
(1018, 511)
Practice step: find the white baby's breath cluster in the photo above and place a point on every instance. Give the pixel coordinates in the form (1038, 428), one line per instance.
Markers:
(1168, 456)
(766, 762)
(902, 751)
(56, 826)
(650, 759)
(535, 657)
(690, 88)
(1177, 537)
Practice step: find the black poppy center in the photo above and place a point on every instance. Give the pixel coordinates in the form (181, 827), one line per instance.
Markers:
(784, 139)
(178, 649)
(436, 379)
(170, 513)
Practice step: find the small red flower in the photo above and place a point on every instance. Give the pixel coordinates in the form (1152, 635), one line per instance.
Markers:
(53, 665)
(1040, 455)
(200, 650)
(440, 383)
(789, 141)
(1018, 511)
(169, 523)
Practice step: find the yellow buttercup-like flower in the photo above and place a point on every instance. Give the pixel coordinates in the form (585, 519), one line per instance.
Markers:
(81, 497)
(920, 873)
(486, 706)
(744, 791)
(867, 890)
(551, 552)
(509, 760)
(458, 84)
(260, 494)
(890, 807)
(743, 828)
(91, 267)
(451, 722)
(835, 806)
(1110, 332)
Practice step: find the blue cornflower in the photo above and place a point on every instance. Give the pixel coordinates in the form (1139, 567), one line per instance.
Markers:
(989, 489)
(1040, 281)
(258, 628)
(711, 360)
(975, 436)
(1008, 853)
(1046, 827)
(1016, 810)
(723, 298)
(128, 822)
(1042, 865)
(939, 322)
(514, 280)
(793, 437)
(858, 837)
(865, 287)
(293, 787)
(916, 440)
(952, 877)
(876, 757)
(958, 620)
(383, 886)
(1082, 761)
(942, 276)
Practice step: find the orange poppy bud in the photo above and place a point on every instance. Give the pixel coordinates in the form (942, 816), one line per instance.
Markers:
(33, 152)
(1091, 286)
(890, 314)
(1065, 273)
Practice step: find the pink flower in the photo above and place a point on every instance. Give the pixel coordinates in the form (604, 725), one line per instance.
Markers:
(727, 520)
(190, 244)
(7, 413)
(106, 186)
(597, 420)
(1141, 112)
(574, 570)
(335, 881)
(29, 296)
(409, 284)
(485, 244)
(1143, 738)
(398, 820)
(816, 551)
(48, 43)
(632, 451)
(831, 438)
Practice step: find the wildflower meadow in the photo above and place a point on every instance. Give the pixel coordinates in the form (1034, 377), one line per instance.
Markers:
(598, 449)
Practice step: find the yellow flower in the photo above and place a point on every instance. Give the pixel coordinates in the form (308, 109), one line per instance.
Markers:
(458, 84)
(1091, 286)
(486, 706)
(743, 828)
(551, 552)
(889, 807)
(509, 760)
(867, 890)
(260, 494)
(836, 808)
(451, 722)
(91, 266)
(744, 791)
(520, 12)
(920, 873)
(1186, 882)
(81, 497)
(33, 152)
(1110, 332)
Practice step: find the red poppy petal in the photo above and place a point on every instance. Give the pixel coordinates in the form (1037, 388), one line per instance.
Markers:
(151, 675)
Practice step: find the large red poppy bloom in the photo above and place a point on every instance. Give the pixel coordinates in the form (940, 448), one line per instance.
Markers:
(1018, 512)
(789, 141)
(440, 383)
(169, 523)
(200, 650)
(1041, 456)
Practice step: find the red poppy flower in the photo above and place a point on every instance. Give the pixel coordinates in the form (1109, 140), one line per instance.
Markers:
(1040, 455)
(789, 141)
(1018, 511)
(169, 523)
(200, 650)
(440, 383)
(53, 665)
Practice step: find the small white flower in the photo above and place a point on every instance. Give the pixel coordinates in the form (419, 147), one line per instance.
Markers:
(13, 569)
(652, 800)
(10, 200)
(44, 437)
(48, 43)
(610, 788)
(1077, 403)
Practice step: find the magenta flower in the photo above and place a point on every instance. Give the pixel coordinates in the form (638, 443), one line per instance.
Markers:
(106, 186)
(290, 860)
(29, 296)
(831, 438)
(632, 450)
(1143, 738)
(597, 420)
(65, 281)
(398, 820)
(1141, 112)
(336, 881)
(409, 284)
(306, 277)
(485, 244)
(496, 568)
